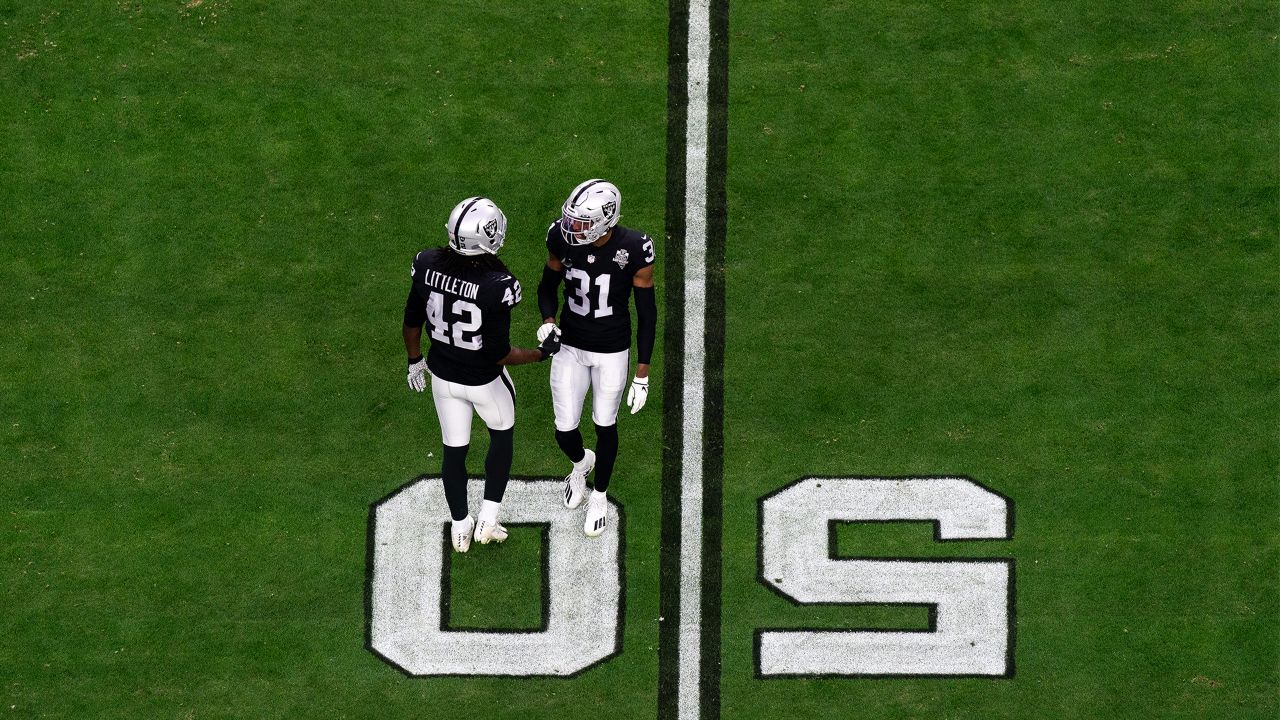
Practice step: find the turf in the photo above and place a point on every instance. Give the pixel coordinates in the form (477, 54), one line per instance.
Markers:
(212, 208)
(1032, 243)
(502, 590)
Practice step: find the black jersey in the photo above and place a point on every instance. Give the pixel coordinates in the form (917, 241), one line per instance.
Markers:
(466, 306)
(597, 287)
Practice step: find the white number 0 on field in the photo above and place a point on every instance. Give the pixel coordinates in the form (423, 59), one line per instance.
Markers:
(408, 588)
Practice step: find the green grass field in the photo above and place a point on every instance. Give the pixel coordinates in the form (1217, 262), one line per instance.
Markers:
(1030, 243)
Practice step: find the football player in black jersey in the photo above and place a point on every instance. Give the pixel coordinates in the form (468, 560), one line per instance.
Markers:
(601, 265)
(464, 293)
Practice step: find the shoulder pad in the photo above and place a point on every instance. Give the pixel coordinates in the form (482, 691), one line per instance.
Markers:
(646, 251)
(555, 241)
(506, 289)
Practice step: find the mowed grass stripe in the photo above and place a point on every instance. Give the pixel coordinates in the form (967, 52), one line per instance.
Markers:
(211, 234)
(1035, 246)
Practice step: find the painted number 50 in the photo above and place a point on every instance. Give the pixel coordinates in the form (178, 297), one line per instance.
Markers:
(970, 630)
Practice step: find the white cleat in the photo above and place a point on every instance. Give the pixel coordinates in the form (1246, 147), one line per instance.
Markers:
(488, 531)
(597, 510)
(461, 533)
(575, 483)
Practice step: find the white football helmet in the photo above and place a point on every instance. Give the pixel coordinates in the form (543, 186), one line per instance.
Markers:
(476, 226)
(592, 209)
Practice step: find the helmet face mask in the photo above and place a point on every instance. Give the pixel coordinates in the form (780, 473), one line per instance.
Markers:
(591, 211)
(476, 226)
(575, 230)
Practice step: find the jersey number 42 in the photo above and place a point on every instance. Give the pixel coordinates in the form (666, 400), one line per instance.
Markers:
(461, 333)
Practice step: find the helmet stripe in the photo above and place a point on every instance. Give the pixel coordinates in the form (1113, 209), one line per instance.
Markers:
(574, 199)
(458, 225)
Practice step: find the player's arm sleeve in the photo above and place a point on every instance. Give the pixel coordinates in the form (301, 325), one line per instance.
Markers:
(497, 341)
(646, 323)
(415, 311)
(548, 303)
(415, 307)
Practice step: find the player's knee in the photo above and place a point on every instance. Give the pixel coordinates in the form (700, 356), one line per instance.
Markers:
(504, 426)
(601, 419)
(455, 437)
(455, 454)
(502, 438)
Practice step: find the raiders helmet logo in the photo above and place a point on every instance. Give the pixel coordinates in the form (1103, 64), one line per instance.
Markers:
(610, 208)
(490, 229)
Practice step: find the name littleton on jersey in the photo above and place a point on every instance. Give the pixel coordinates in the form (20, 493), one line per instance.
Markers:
(450, 284)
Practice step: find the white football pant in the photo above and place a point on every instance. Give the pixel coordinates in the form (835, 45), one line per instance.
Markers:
(495, 403)
(573, 371)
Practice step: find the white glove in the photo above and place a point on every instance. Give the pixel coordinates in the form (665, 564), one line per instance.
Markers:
(418, 375)
(545, 330)
(638, 393)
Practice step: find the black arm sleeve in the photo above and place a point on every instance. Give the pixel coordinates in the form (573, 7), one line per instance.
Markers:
(415, 311)
(548, 303)
(415, 307)
(497, 335)
(646, 323)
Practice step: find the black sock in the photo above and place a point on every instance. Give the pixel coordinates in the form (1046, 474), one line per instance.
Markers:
(606, 453)
(570, 442)
(497, 464)
(454, 473)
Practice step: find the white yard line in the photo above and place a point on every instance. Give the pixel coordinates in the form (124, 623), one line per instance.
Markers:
(695, 299)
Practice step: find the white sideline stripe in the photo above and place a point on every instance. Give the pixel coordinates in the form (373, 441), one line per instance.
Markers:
(688, 703)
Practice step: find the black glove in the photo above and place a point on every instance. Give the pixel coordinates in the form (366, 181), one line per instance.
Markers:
(551, 345)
